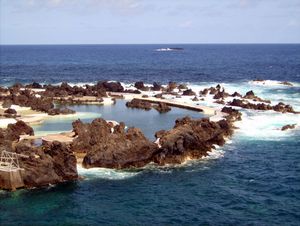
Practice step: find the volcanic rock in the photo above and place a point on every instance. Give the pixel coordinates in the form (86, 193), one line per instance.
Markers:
(141, 104)
(112, 148)
(162, 107)
(290, 126)
(188, 92)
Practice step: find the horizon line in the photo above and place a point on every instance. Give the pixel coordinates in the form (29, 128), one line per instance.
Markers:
(208, 43)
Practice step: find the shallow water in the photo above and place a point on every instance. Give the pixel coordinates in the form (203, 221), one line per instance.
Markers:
(148, 121)
(252, 180)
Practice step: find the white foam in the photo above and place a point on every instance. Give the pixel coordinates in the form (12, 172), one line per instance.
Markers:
(4, 122)
(104, 173)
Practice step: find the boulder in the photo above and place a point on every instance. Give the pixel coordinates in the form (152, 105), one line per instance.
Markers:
(139, 85)
(156, 87)
(290, 126)
(162, 107)
(141, 104)
(188, 92)
(10, 111)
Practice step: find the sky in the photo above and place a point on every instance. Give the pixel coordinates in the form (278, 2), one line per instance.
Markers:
(149, 21)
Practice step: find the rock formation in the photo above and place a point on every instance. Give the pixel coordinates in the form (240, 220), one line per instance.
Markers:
(111, 147)
(141, 104)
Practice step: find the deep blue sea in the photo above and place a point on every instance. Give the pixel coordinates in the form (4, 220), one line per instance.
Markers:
(253, 180)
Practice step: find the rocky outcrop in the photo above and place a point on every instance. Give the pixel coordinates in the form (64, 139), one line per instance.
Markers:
(221, 95)
(162, 107)
(12, 134)
(10, 111)
(112, 147)
(290, 126)
(232, 114)
(280, 107)
(61, 111)
(51, 163)
(250, 95)
(286, 83)
(188, 92)
(190, 139)
(141, 104)
(156, 87)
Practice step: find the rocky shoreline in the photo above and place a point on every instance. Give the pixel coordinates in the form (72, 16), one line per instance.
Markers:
(109, 145)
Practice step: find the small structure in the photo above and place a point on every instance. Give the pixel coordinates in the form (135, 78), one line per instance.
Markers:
(10, 170)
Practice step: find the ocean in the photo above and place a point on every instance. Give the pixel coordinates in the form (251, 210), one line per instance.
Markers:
(253, 180)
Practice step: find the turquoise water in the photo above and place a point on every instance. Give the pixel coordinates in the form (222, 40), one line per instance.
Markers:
(148, 121)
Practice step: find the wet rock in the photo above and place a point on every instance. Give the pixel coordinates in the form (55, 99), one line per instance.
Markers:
(34, 85)
(221, 95)
(236, 94)
(139, 85)
(290, 126)
(286, 83)
(159, 95)
(162, 107)
(62, 111)
(203, 92)
(188, 92)
(10, 111)
(171, 86)
(252, 96)
(156, 87)
(233, 114)
(195, 99)
(280, 107)
(190, 139)
(182, 86)
(141, 104)
(110, 86)
(220, 102)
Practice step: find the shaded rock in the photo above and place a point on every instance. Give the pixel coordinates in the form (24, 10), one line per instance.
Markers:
(236, 94)
(156, 87)
(48, 164)
(233, 114)
(190, 139)
(171, 86)
(182, 86)
(221, 95)
(139, 85)
(162, 107)
(159, 95)
(203, 92)
(290, 126)
(117, 149)
(10, 111)
(141, 104)
(62, 111)
(188, 92)
(160, 133)
(286, 83)
(195, 99)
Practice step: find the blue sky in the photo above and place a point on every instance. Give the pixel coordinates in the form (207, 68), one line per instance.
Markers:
(149, 21)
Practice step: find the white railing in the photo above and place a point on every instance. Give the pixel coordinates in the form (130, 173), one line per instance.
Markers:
(9, 161)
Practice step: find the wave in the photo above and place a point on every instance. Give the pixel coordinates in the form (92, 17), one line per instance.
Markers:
(105, 173)
(169, 49)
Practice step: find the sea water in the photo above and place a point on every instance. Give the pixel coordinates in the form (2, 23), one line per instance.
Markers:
(252, 180)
